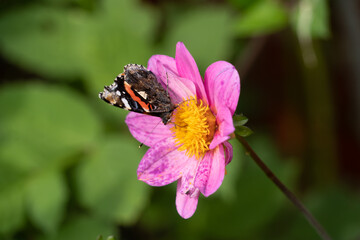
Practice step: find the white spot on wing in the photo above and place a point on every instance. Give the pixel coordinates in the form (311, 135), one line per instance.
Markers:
(126, 103)
(143, 94)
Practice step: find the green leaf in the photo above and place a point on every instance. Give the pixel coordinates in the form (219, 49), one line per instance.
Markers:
(239, 120)
(311, 19)
(51, 123)
(114, 39)
(42, 39)
(107, 181)
(87, 4)
(46, 198)
(83, 227)
(70, 43)
(243, 131)
(261, 18)
(243, 3)
(43, 128)
(206, 32)
(12, 210)
(108, 238)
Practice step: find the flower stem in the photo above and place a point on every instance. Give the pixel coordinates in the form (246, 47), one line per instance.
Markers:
(311, 219)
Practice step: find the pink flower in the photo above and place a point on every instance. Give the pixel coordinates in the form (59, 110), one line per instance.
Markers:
(193, 147)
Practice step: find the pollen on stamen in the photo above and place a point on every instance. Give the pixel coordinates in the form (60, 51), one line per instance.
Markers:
(194, 127)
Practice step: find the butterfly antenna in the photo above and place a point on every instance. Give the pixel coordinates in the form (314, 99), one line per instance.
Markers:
(152, 130)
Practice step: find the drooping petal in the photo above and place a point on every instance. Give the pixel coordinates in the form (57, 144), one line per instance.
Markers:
(222, 84)
(225, 127)
(147, 129)
(186, 204)
(211, 171)
(162, 164)
(188, 69)
(228, 152)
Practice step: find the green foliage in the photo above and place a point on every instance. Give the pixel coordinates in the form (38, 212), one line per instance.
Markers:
(240, 120)
(42, 125)
(311, 19)
(63, 44)
(240, 129)
(43, 39)
(38, 139)
(83, 227)
(107, 183)
(12, 210)
(336, 208)
(205, 31)
(243, 4)
(46, 197)
(118, 34)
(108, 238)
(243, 131)
(258, 200)
(261, 18)
(233, 174)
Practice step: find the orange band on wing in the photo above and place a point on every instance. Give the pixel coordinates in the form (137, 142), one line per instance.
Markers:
(145, 106)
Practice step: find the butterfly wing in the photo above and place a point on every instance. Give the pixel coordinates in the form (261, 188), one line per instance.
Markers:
(137, 89)
(120, 94)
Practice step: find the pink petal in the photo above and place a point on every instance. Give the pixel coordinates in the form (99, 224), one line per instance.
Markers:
(147, 129)
(186, 204)
(164, 68)
(188, 69)
(211, 171)
(228, 152)
(162, 164)
(168, 62)
(188, 176)
(222, 84)
(178, 88)
(225, 127)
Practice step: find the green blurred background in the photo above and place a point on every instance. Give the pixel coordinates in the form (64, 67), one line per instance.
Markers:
(68, 163)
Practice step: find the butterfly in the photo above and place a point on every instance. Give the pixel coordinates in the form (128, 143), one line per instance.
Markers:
(137, 89)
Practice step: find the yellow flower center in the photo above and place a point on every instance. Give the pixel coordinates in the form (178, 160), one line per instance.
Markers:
(194, 127)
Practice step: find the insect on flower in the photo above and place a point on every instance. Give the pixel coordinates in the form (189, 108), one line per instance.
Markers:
(137, 90)
(191, 147)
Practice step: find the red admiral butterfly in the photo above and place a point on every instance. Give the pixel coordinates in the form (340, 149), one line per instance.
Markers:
(137, 89)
